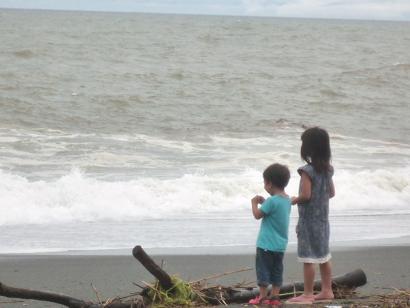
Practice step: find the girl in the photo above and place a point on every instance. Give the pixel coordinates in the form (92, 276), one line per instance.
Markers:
(315, 189)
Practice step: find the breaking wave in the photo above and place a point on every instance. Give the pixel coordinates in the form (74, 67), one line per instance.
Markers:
(77, 197)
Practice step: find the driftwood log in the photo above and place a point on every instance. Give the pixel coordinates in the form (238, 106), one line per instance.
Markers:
(163, 278)
(350, 280)
(71, 302)
(62, 299)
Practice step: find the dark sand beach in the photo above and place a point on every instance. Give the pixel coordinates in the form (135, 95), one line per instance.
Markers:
(386, 267)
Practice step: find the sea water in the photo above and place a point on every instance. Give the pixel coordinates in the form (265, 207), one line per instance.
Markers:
(125, 129)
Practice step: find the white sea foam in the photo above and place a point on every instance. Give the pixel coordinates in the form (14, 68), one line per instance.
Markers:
(76, 197)
(80, 198)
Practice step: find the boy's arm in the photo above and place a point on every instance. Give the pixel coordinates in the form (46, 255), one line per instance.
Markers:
(257, 213)
(305, 189)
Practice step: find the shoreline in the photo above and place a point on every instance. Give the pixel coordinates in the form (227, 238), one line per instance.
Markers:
(162, 236)
(403, 241)
(113, 275)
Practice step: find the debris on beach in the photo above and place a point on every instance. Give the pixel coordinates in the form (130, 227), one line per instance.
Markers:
(171, 291)
(399, 298)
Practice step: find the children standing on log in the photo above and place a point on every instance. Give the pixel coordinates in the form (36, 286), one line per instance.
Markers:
(273, 234)
(315, 189)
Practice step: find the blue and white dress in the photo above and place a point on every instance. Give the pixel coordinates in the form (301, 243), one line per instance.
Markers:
(313, 225)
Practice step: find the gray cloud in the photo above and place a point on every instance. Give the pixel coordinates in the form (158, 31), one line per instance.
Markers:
(356, 9)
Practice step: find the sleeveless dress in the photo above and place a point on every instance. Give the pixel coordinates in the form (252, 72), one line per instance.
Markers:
(313, 225)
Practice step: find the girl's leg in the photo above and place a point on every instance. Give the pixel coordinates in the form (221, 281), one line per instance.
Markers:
(309, 278)
(326, 276)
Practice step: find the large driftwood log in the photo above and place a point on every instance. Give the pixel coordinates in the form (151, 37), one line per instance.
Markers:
(61, 299)
(163, 278)
(350, 280)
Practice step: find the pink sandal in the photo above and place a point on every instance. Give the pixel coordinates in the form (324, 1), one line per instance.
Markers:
(272, 301)
(256, 301)
(262, 301)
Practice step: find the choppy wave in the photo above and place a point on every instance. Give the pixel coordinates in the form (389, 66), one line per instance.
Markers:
(228, 75)
(80, 198)
(50, 154)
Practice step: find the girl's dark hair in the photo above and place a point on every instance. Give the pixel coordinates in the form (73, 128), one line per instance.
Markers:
(315, 148)
(277, 174)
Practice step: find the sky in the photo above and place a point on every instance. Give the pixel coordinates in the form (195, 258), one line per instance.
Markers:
(341, 9)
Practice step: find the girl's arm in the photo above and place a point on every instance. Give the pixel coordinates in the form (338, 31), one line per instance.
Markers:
(305, 189)
(332, 191)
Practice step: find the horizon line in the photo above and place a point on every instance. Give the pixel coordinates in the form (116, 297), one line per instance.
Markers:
(202, 14)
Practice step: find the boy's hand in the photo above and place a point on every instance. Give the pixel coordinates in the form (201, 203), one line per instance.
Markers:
(258, 200)
(257, 213)
(293, 200)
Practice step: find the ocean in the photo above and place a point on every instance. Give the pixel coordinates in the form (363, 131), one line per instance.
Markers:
(118, 129)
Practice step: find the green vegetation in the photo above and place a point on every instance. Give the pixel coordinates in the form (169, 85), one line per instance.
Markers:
(182, 294)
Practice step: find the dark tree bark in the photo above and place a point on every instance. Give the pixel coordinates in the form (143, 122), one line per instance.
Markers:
(42, 296)
(350, 280)
(163, 278)
(61, 299)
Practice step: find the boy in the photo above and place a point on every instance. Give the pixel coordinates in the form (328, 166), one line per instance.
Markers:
(273, 234)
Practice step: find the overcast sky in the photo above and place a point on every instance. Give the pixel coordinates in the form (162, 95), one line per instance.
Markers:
(356, 9)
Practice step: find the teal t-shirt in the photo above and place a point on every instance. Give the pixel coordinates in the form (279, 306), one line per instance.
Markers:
(273, 233)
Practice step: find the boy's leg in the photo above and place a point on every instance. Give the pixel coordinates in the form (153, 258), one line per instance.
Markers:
(276, 272)
(326, 277)
(275, 291)
(262, 276)
(276, 277)
(263, 291)
(274, 299)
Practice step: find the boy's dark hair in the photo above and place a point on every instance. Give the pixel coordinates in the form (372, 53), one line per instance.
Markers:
(315, 148)
(277, 174)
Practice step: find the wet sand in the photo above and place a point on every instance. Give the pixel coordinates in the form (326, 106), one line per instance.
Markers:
(113, 275)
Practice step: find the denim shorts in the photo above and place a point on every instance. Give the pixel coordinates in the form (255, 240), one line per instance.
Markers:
(269, 267)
